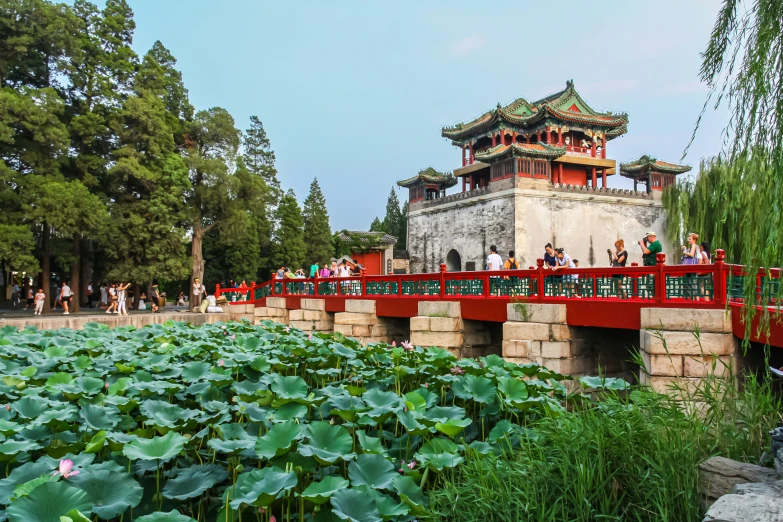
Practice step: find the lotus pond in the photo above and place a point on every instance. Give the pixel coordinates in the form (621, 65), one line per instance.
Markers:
(230, 422)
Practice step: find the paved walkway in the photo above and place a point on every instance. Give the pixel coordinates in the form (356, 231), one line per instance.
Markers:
(20, 313)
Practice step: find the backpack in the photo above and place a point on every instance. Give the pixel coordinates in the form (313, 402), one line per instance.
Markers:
(512, 265)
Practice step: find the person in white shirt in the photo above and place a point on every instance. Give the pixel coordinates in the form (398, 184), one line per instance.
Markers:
(197, 290)
(121, 297)
(39, 301)
(565, 261)
(104, 297)
(494, 261)
(65, 297)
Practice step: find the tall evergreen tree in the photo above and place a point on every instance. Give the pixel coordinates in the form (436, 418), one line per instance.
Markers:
(288, 246)
(377, 225)
(211, 145)
(260, 159)
(317, 232)
(402, 230)
(391, 223)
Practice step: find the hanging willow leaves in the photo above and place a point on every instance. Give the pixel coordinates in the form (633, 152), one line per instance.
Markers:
(736, 199)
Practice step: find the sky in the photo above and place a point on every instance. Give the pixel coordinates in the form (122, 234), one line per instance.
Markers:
(356, 93)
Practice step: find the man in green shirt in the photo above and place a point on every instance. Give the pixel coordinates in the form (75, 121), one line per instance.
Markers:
(650, 247)
(314, 270)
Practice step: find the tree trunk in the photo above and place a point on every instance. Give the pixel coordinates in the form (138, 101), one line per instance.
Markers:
(136, 295)
(198, 259)
(46, 271)
(74, 305)
(86, 269)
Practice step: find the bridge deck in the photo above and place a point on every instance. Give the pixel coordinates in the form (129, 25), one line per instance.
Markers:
(601, 297)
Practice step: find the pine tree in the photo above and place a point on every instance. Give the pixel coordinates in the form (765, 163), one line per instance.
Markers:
(260, 159)
(317, 232)
(376, 225)
(402, 231)
(391, 223)
(288, 247)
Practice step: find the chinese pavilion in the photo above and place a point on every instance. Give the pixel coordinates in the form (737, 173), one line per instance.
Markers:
(428, 184)
(559, 138)
(655, 174)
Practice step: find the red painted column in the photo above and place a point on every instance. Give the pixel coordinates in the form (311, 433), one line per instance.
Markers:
(540, 286)
(494, 140)
(471, 153)
(363, 275)
(464, 183)
(463, 155)
(560, 173)
(660, 278)
(502, 139)
(538, 137)
(719, 277)
(603, 147)
(548, 136)
(443, 280)
(514, 137)
(603, 178)
(592, 148)
(560, 137)
(594, 177)
(528, 139)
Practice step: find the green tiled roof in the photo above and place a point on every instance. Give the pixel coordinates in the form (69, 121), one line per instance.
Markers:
(376, 238)
(566, 105)
(534, 150)
(646, 164)
(430, 176)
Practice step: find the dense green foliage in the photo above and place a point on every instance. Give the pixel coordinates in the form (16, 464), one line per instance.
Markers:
(395, 223)
(738, 200)
(288, 245)
(108, 171)
(317, 232)
(632, 457)
(223, 419)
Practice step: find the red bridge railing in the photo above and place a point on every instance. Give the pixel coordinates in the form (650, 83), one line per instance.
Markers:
(708, 286)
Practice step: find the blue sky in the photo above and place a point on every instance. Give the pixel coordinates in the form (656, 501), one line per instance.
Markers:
(356, 93)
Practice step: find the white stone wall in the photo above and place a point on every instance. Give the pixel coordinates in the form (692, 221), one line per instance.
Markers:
(524, 219)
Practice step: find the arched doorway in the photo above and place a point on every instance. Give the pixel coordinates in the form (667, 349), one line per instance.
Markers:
(453, 261)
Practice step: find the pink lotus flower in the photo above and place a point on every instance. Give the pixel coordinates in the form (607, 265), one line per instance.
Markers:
(411, 464)
(287, 330)
(394, 344)
(272, 519)
(407, 346)
(331, 421)
(404, 409)
(456, 370)
(233, 336)
(220, 362)
(426, 385)
(106, 385)
(310, 335)
(66, 466)
(223, 327)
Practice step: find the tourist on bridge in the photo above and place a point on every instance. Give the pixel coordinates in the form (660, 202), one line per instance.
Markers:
(511, 262)
(65, 297)
(617, 259)
(104, 297)
(494, 261)
(650, 247)
(314, 270)
(325, 272)
(550, 261)
(690, 252)
(564, 261)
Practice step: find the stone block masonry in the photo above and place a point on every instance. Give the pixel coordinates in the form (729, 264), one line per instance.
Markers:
(275, 311)
(440, 324)
(312, 317)
(360, 322)
(681, 346)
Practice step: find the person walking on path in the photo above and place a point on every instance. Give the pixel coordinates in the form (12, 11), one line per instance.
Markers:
(197, 291)
(650, 248)
(511, 262)
(690, 252)
(104, 297)
(617, 259)
(90, 296)
(494, 261)
(113, 299)
(29, 296)
(122, 293)
(39, 301)
(65, 297)
(15, 295)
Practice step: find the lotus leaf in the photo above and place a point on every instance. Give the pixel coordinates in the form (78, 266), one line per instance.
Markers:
(355, 505)
(263, 487)
(48, 502)
(171, 516)
(157, 448)
(479, 389)
(291, 388)
(411, 494)
(452, 427)
(98, 417)
(370, 444)
(327, 443)
(166, 415)
(371, 470)
(193, 481)
(321, 492)
(278, 440)
(111, 493)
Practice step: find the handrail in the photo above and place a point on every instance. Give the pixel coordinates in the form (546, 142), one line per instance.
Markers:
(699, 285)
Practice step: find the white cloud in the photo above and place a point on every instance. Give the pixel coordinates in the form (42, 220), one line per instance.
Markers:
(467, 45)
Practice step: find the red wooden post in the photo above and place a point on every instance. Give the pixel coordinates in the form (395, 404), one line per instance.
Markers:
(463, 155)
(363, 275)
(471, 153)
(274, 285)
(217, 290)
(603, 147)
(538, 137)
(464, 183)
(494, 140)
(603, 178)
(253, 292)
(442, 280)
(514, 137)
(719, 277)
(635, 281)
(660, 281)
(560, 173)
(540, 282)
(592, 148)
(502, 140)
(548, 136)
(560, 137)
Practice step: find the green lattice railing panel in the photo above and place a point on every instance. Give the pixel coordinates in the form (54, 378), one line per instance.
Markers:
(689, 286)
(262, 291)
(512, 286)
(421, 287)
(327, 288)
(464, 287)
(381, 288)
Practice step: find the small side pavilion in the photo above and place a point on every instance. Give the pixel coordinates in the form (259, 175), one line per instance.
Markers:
(655, 174)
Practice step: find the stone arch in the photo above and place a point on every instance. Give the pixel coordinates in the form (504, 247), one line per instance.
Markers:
(453, 261)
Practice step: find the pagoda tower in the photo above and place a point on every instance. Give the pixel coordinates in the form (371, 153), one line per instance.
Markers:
(559, 138)
(655, 174)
